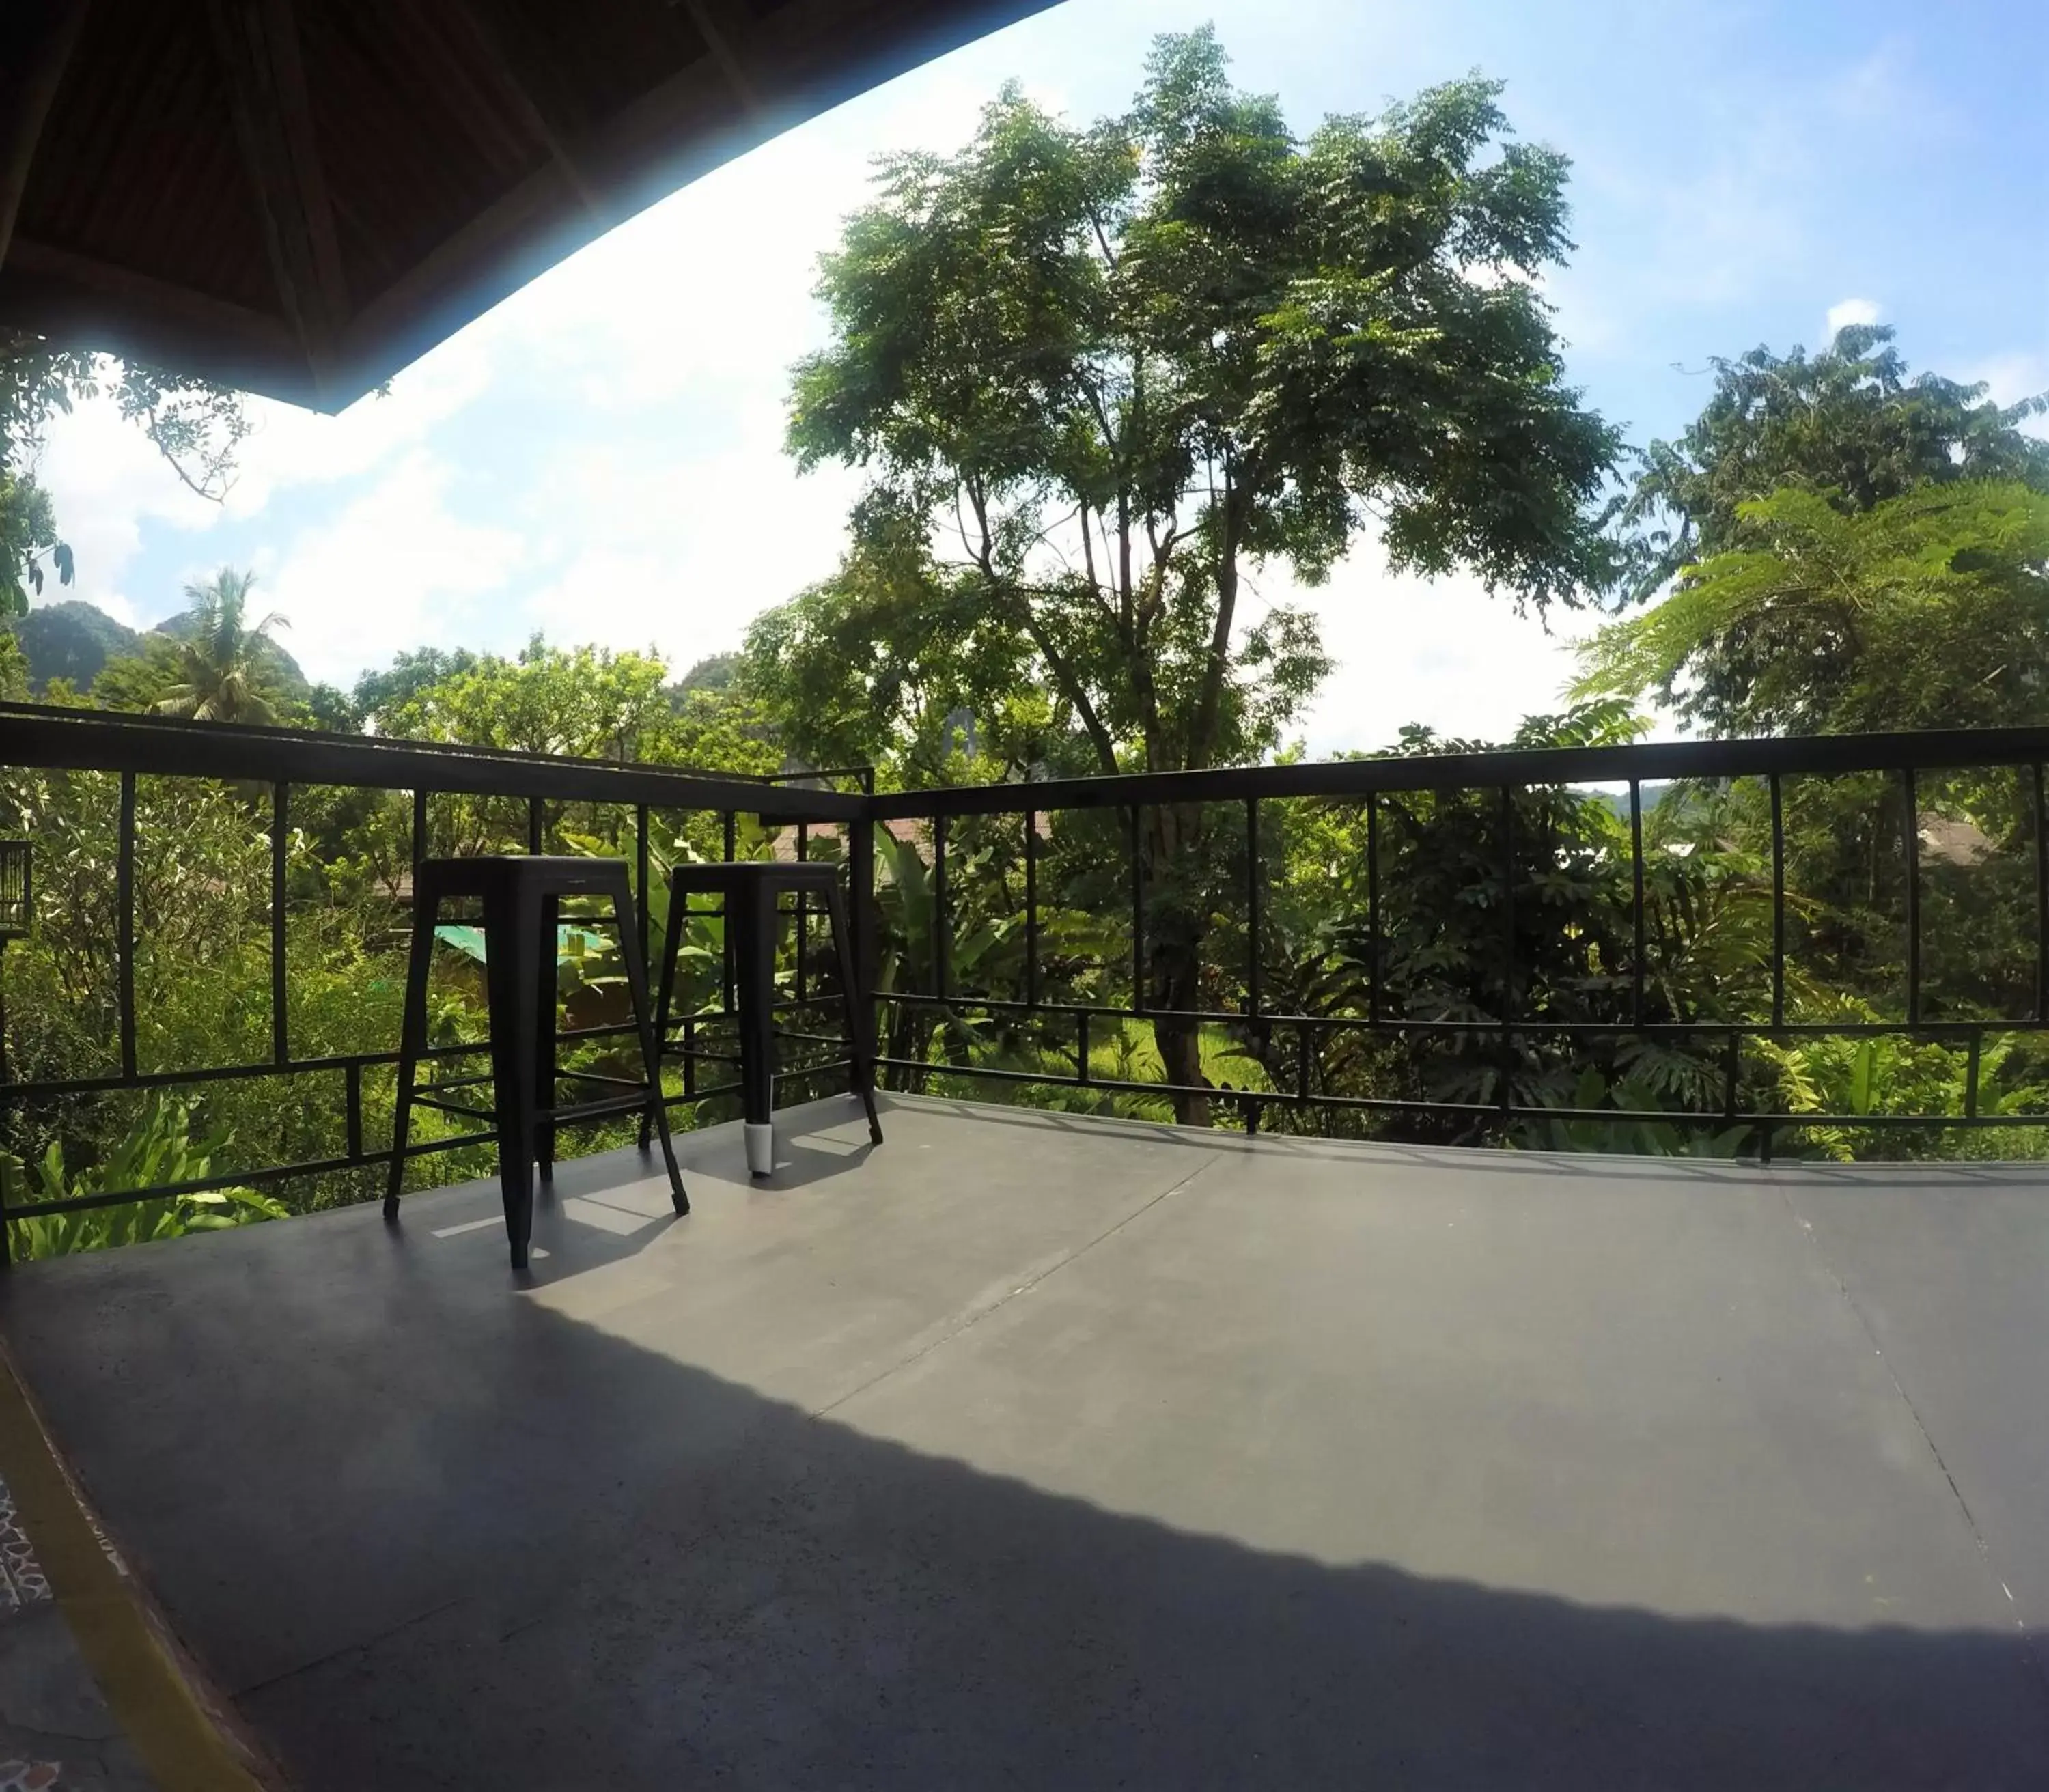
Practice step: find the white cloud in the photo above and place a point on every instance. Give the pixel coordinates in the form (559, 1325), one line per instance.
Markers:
(1846, 311)
(394, 568)
(107, 483)
(681, 551)
(1412, 649)
(2008, 379)
(289, 447)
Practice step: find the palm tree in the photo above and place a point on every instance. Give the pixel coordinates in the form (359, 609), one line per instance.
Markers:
(218, 662)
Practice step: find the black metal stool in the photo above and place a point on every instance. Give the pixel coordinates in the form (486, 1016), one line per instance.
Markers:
(749, 890)
(522, 897)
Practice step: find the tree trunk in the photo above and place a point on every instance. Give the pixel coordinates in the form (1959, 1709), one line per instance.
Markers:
(1174, 921)
(1180, 1042)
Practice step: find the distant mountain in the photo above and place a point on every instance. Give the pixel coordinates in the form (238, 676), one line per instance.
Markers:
(75, 640)
(72, 640)
(715, 672)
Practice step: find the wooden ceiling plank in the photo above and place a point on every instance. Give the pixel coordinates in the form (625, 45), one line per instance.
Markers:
(487, 48)
(258, 45)
(700, 100)
(102, 277)
(720, 30)
(304, 324)
(28, 90)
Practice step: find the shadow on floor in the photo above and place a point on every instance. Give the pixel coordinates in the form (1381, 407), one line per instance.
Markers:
(685, 1579)
(432, 1531)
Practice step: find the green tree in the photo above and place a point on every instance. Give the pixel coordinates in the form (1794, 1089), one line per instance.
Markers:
(585, 703)
(219, 667)
(135, 681)
(198, 428)
(1097, 375)
(379, 695)
(1848, 422)
(28, 542)
(1928, 610)
(715, 672)
(890, 666)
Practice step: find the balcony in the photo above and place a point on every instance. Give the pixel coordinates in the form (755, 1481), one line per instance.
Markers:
(1047, 1450)
(1062, 1449)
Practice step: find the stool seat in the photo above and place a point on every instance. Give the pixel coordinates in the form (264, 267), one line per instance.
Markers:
(522, 895)
(747, 889)
(561, 874)
(740, 874)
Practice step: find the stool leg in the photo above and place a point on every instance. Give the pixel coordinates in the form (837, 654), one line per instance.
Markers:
(547, 991)
(515, 1011)
(859, 1046)
(412, 1039)
(672, 944)
(755, 910)
(657, 1109)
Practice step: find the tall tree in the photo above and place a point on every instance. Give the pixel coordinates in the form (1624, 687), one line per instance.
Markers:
(1928, 610)
(1849, 423)
(1097, 376)
(219, 670)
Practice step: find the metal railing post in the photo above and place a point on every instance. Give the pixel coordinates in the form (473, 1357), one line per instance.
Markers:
(1777, 903)
(861, 907)
(1254, 894)
(281, 800)
(1031, 909)
(1636, 898)
(124, 899)
(1138, 997)
(1912, 847)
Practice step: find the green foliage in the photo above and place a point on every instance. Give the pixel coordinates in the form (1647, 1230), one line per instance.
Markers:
(1928, 610)
(71, 640)
(1889, 1075)
(1116, 366)
(1631, 1138)
(135, 681)
(197, 427)
(158, 1151)
(1847, 423)
(28, 542)
(584, 702)
(378, 697)
(1095, 376)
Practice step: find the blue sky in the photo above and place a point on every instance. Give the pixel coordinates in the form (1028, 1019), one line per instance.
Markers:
(600, 458)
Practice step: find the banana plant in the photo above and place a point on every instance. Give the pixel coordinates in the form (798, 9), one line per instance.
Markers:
(986, 953)
(157, 1150)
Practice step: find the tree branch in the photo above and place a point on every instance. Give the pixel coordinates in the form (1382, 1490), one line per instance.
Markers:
(1016, 599)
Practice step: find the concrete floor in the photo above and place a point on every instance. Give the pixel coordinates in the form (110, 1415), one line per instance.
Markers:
(1032, 1450)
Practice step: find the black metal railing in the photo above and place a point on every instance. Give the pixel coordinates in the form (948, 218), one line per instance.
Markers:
(931, 826)
(35, 738)
(1371, 787)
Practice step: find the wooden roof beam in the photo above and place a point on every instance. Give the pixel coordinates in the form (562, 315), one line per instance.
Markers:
(257, 41)
(43, 32)
(52, 291)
